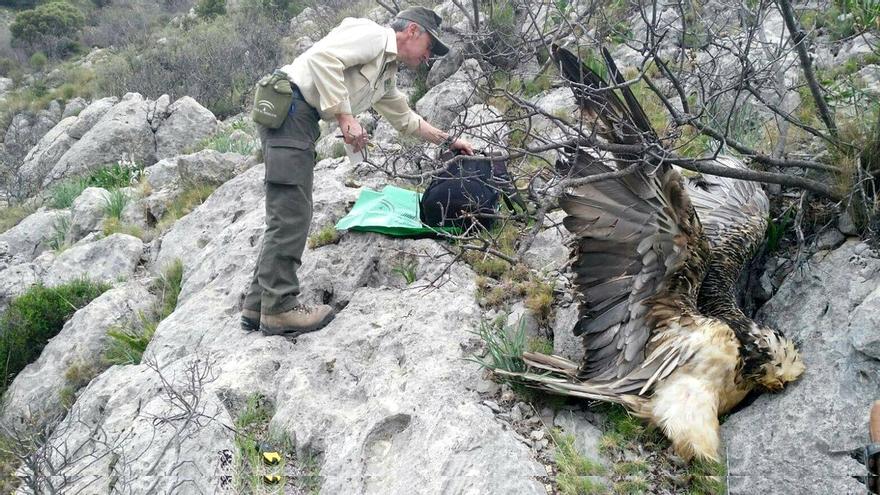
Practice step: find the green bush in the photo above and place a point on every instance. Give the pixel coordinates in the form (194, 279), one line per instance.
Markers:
(64, 193)
(127, 345)
(35, 317)
(51, 24)
(38, 60)
(116, 201)
(210, 8)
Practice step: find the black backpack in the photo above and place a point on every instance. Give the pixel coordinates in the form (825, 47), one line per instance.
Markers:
(467, 190)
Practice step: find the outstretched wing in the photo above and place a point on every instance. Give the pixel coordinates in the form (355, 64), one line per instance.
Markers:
(727, 205)
(734, 217)
(639, 253)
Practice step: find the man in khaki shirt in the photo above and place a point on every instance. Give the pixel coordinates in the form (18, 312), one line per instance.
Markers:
(350, 70)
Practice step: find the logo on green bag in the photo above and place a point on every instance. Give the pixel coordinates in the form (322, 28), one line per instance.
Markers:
(266, 107)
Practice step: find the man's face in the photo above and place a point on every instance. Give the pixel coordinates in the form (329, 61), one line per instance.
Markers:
(415, 48)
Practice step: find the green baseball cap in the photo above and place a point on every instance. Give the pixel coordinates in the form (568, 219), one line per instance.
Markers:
(429, 20)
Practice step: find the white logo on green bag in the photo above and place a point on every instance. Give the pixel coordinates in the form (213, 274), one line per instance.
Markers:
(266, 106)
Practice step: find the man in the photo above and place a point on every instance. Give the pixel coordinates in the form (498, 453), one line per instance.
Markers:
(349, 70)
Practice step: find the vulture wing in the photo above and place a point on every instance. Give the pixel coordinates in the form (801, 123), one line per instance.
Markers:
(640, 254)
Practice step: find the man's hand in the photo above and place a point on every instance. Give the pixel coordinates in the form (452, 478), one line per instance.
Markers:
(352, 133)
(461, 145)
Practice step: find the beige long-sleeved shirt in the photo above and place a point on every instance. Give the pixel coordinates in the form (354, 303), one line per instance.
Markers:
(351, 69)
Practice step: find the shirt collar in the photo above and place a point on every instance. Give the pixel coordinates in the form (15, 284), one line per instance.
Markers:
(391, 45)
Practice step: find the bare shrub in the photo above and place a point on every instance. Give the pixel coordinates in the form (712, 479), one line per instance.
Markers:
(216, 62)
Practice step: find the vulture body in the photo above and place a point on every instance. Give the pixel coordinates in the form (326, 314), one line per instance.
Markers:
(656, 260)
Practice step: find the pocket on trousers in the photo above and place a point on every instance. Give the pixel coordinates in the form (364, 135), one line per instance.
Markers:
(289, 161)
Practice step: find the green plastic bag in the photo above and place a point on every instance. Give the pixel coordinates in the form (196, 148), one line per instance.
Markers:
(391, 211)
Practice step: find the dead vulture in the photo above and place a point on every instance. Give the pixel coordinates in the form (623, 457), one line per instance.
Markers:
(656, 259)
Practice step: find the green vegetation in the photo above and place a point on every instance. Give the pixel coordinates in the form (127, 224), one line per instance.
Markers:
(60, 238)
(540, 344)
(577, 475)
(79, 82)
(231, 52)
(111, 177)
(187, 201)
(324, 236)
(77, 376)
(116, 201)
(504, 346)
(62, 195)
(626, 433)
(406, 269)
(35, 317)
(252, 438)
(50, 26)
(116, 226)
(210, 8)
(420, 85)
(224, 141)
(12, 215)
(127, 345)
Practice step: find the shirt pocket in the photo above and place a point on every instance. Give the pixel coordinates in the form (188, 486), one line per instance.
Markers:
(290, 161)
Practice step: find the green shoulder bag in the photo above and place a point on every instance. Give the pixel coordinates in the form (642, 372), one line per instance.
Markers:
(272, 100)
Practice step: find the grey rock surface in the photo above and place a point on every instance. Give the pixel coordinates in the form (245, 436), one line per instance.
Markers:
(88, 212)
(122, 133)
(35, 391)
(864, 326)
(110, 259)
(830, 239)
(784, 443)
(91, 115)
(587, 436)
(483, 129)
(442, 103)
(445, 66)
(565, 343)
(187, 123)
(43, 156)
(74, 107)
(32, 235)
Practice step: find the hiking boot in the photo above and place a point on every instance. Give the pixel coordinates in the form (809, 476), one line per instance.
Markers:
(250, 320)
(299, 320)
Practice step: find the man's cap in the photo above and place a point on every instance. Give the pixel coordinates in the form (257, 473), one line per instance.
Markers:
(429, 20)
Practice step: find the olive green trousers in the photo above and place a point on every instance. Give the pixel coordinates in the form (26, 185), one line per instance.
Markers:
(289, 155)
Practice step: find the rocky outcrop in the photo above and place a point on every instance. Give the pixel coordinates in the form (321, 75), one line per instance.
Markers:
(35, 393)
(109, 259)
(792, 442)
(122, 133)
(32, 235)
(27, 129)
(87, 212)
(133, 130)
(442, 103)
(371, 414)
(187, 123)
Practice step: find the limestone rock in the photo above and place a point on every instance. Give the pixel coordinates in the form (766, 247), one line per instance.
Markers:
(43, 156)
(783, 442)
(74, 107)
(107, 260)
(442, 103)
(90, 116)
(187, 124)
(35, 391)
(445, 66)
(483, 129)
(122, 133)
(88, 212)
(565, 343)
(32, 235)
